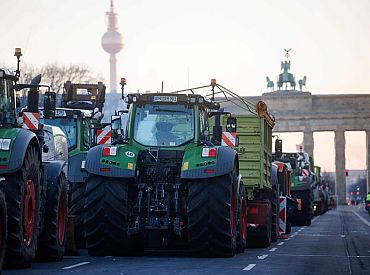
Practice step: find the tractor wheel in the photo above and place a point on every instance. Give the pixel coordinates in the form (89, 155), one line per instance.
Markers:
(106, 216)
(275, 207)
(3, 229)
(212, 215)
(52, 240)
(288, 228)
(241, 229)
(306, 209)
(77, 209)
(22, 193)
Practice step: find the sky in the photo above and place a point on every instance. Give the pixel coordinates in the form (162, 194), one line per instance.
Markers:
(186, 43)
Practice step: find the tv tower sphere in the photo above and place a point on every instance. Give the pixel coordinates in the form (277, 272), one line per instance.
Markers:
(112, 42)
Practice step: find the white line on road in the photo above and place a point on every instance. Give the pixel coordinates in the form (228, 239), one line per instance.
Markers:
(275, 248)
(299, 230)
(264, 256)
(361, 218)
(75, 265)
(249, 267)
(280, 243)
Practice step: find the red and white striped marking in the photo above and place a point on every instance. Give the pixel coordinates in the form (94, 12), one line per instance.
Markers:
(104, 136)
(228, 139)
(305, 173)
(30, 120)
(282, 215)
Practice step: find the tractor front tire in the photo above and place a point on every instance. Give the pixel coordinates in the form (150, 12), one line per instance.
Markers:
(3, 229)
(22, 193)
(106, 216)
(212, 215)
(241, 229)
(77, 209)
(52, 240)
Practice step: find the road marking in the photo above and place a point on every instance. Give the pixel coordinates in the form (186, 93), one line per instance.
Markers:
(299, 230)
(280, 243)
(361, 218)
(318, 255)
(75, 265)
(302, 228)
(249, 267)
(343, 236)
(264, 256)
(275, 248)
(287, 239)
(314, 219)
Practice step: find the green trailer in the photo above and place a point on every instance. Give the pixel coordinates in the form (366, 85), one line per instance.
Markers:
(254, 147)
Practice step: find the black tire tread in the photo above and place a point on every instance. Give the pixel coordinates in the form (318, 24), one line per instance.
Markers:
(49, 248)
(208, 214)
(105, 216)
(17, 253)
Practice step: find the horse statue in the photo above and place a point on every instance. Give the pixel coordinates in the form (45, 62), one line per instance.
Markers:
(270, 83)
(302, 83)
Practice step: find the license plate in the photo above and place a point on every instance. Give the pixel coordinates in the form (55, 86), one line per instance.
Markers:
(163, 98)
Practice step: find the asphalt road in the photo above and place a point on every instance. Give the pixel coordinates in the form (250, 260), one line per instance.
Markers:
(337, 242)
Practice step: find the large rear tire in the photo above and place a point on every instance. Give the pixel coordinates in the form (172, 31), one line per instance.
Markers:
(3, 229)
(22, 193)
(212, 216)
(106, 216)
(241, 229)
(77, 209)
(51, 246)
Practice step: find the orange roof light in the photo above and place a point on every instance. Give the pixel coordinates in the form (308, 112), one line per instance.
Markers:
(18, 52)
(213, 82)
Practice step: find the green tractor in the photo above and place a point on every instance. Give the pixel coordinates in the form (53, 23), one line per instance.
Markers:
(163, 184)
(35, 190)
(302, 180)
(80, 119)
(320, 194)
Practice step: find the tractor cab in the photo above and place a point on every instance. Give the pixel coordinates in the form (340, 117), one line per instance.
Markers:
(168, 120)
(7, 97)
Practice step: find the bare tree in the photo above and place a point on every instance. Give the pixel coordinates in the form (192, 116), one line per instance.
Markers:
(55, 75)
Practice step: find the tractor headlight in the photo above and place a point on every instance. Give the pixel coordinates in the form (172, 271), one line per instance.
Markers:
(5, 144)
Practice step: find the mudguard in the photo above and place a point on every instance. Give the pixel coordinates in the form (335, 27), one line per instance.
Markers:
(52, 171)
(122, 165)
(18, 148)
(75, 173)
(196, 167)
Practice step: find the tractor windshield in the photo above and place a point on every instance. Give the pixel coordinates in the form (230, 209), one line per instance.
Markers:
(7, 104)
(69, 126)
(164, 125)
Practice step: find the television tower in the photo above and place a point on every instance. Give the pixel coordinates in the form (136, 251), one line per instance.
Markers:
(112, 44)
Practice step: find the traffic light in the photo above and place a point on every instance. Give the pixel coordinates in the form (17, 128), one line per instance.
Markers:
(346, 172)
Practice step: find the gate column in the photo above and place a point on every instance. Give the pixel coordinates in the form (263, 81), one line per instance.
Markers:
(308, 142)
(340, 166)
(368, 160)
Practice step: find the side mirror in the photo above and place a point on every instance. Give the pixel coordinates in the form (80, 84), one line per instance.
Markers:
(231, 124)
(49, 105)
(278, 147)
(115, 122)
(217, 135)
